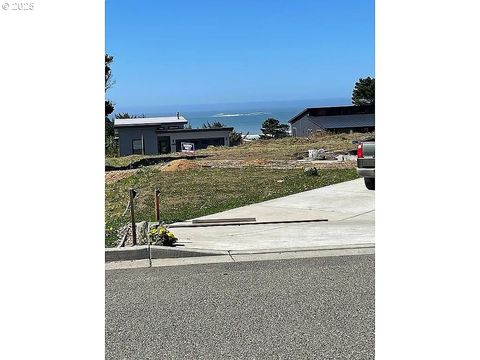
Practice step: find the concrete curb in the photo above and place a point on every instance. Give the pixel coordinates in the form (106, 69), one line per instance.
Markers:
(202, 257)
(157, 252)
(303, 249)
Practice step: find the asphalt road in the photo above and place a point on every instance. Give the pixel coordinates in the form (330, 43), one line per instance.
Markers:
(318, 308)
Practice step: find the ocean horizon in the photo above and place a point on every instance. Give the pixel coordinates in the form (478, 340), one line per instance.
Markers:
(245, 118)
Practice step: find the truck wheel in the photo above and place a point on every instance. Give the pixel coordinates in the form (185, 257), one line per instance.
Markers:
(370, 183)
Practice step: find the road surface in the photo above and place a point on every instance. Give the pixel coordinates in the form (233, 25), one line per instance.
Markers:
(320, 308)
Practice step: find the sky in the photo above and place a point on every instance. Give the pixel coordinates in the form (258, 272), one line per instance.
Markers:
(216, 51)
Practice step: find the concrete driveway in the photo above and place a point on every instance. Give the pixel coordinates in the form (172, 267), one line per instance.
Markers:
(349, 208)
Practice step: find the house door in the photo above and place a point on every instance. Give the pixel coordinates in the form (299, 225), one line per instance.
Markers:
(164, 145)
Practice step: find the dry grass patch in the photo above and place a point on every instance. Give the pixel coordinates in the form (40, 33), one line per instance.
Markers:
(285, 149)
(181, 164)
(112, 176)
(281, 149)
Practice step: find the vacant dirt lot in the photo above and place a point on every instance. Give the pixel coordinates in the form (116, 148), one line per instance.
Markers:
(287, 153)
(223, 178)
(268, 150)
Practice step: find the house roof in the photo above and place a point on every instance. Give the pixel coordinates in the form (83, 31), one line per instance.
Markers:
(340, 122)
(150, 121)
(334, 111)
(195, 130)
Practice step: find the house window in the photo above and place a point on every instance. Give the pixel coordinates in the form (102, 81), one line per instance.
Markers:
(137, 146)
(294, 131)
(201, 143)
(309, 132)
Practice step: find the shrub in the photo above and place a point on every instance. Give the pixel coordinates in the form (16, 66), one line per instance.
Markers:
(311, 171)
(111, 146)
(235, 138)
(160, 235)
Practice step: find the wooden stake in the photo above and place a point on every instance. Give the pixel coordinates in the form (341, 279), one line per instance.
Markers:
(132, 213)
(157, 205)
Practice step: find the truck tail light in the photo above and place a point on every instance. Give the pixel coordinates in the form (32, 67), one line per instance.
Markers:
(360, 151)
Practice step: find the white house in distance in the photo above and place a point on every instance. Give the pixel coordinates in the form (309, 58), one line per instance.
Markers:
(163, 135)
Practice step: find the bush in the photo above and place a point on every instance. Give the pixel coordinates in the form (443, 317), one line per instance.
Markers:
(111, 146)
(160, 235)
(311, 171)
(235, 138)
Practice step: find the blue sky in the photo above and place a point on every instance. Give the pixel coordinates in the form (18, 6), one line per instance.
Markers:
(218, 51)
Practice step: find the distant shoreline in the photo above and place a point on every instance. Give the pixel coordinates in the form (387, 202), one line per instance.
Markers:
(245, 119)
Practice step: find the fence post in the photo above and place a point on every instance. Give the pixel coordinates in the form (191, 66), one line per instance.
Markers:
(132, 214)
(157, 205)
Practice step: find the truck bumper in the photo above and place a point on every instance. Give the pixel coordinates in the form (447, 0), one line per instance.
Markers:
(363, 172)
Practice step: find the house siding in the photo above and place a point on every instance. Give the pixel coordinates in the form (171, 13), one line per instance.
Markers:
(308, 125)
(150, 138)
(127, 134)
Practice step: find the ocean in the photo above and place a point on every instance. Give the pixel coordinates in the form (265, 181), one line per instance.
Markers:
(244, 121)
(246, 118)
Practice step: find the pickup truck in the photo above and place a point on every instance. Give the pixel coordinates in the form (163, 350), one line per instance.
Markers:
(366, 162)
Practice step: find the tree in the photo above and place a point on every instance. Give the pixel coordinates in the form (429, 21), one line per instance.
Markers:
(364, 92)
(128, 116)
(108, 72)
(272, 129)
(110, 145)
(109, 107)
(109, 128)
(108, 123)
(215, 124)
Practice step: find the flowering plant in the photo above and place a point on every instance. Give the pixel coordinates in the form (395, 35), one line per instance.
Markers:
(160, 235)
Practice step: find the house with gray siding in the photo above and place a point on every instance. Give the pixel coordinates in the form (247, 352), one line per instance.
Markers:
(163, 135)
(337, 119)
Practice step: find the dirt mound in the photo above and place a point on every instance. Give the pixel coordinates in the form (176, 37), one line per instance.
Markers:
(181, 164)
(113, 176)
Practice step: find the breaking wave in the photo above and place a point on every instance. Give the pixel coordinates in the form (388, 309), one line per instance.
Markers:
(219, 115)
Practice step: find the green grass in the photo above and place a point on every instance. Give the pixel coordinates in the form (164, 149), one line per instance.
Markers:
(193, 193)
(127, 160)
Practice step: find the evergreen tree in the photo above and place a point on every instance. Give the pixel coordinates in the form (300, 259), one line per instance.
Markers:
(272, 129)
(364, 92)
(109, 107)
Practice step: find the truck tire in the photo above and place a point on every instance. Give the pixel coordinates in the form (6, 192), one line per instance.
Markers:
(370, 183)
